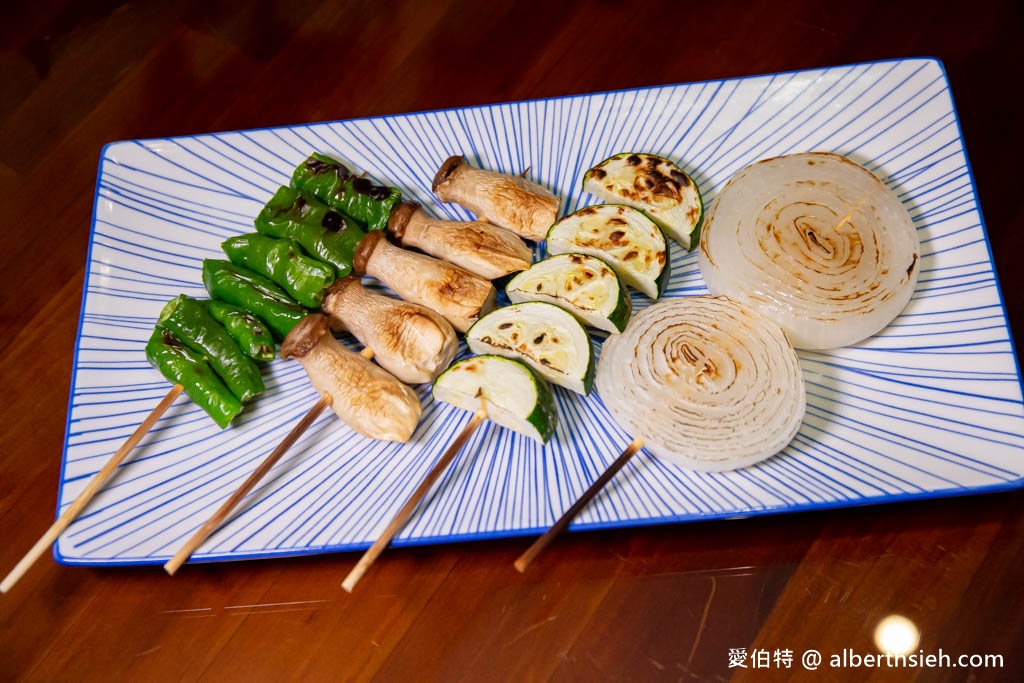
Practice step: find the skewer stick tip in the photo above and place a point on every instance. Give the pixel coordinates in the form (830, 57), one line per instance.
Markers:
(90, 490)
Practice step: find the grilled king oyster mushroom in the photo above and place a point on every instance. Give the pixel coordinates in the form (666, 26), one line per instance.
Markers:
(410, 341)
(522, 206)
(364, 395)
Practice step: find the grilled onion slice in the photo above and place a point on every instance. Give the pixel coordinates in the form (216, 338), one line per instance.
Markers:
(707, 382)
(815, 242)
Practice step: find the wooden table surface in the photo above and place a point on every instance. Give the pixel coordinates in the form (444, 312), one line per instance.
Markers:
(662, 603)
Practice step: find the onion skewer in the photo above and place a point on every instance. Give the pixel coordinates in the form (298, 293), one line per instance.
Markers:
(563, 522)
(704, 382)
(91, 489)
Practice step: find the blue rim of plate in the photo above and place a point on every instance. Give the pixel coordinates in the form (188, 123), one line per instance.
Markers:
(534, 529)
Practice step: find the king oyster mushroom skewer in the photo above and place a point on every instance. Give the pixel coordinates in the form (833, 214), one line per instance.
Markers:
(410, 341)
(365, 396)
(458, 295)
(488, 250)
(510, 201)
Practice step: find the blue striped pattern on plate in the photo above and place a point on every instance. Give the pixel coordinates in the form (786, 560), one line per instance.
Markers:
(932, 406)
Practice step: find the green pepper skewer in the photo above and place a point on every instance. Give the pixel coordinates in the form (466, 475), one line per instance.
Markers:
(181, 366)
(188, 320)
(304, 278)
(253, 292)
(250, 333)
(322, 232)
(333, 183)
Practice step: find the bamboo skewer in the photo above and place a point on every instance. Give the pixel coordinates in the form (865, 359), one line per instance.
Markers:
(562, 524)
(400, 519)
(91, 489)
(221, 514)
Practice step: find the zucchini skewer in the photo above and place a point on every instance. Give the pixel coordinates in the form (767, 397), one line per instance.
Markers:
(653, 185)
(495, 387)
(545, 337)
(584, 285)
(627, 240)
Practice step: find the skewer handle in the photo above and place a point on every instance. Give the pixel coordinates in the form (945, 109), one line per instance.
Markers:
(562, 524)
(218, 517)
(90, 490)
(399, 521)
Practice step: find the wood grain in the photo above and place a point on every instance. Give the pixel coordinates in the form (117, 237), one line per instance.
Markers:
(661, 603)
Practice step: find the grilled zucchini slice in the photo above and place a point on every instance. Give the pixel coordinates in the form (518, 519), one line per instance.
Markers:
(512, 394)
(653, 185)
(545, 337)
(621, 236)
(584, 285)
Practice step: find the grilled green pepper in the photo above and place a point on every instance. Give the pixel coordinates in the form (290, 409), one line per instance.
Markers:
(188, 320)
(321, 231)
(253, 292)
(333, 183)
(182, 366)
(250, 333)
(304, 278)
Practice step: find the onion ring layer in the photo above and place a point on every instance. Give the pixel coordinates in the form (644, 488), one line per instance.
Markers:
(815, 242)
(707, 382)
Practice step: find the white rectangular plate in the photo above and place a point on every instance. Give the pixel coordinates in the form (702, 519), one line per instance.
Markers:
(929, 407)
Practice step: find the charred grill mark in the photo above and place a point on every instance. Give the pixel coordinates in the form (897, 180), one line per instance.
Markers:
(505, 326)
(680, 177)
(633, 160)
(631, 255)
(913, 264)
(539, 339)
(616, 236)
(318, 167)
(598, 174)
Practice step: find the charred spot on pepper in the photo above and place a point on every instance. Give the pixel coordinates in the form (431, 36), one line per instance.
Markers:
(318, 166)
(333, 221)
